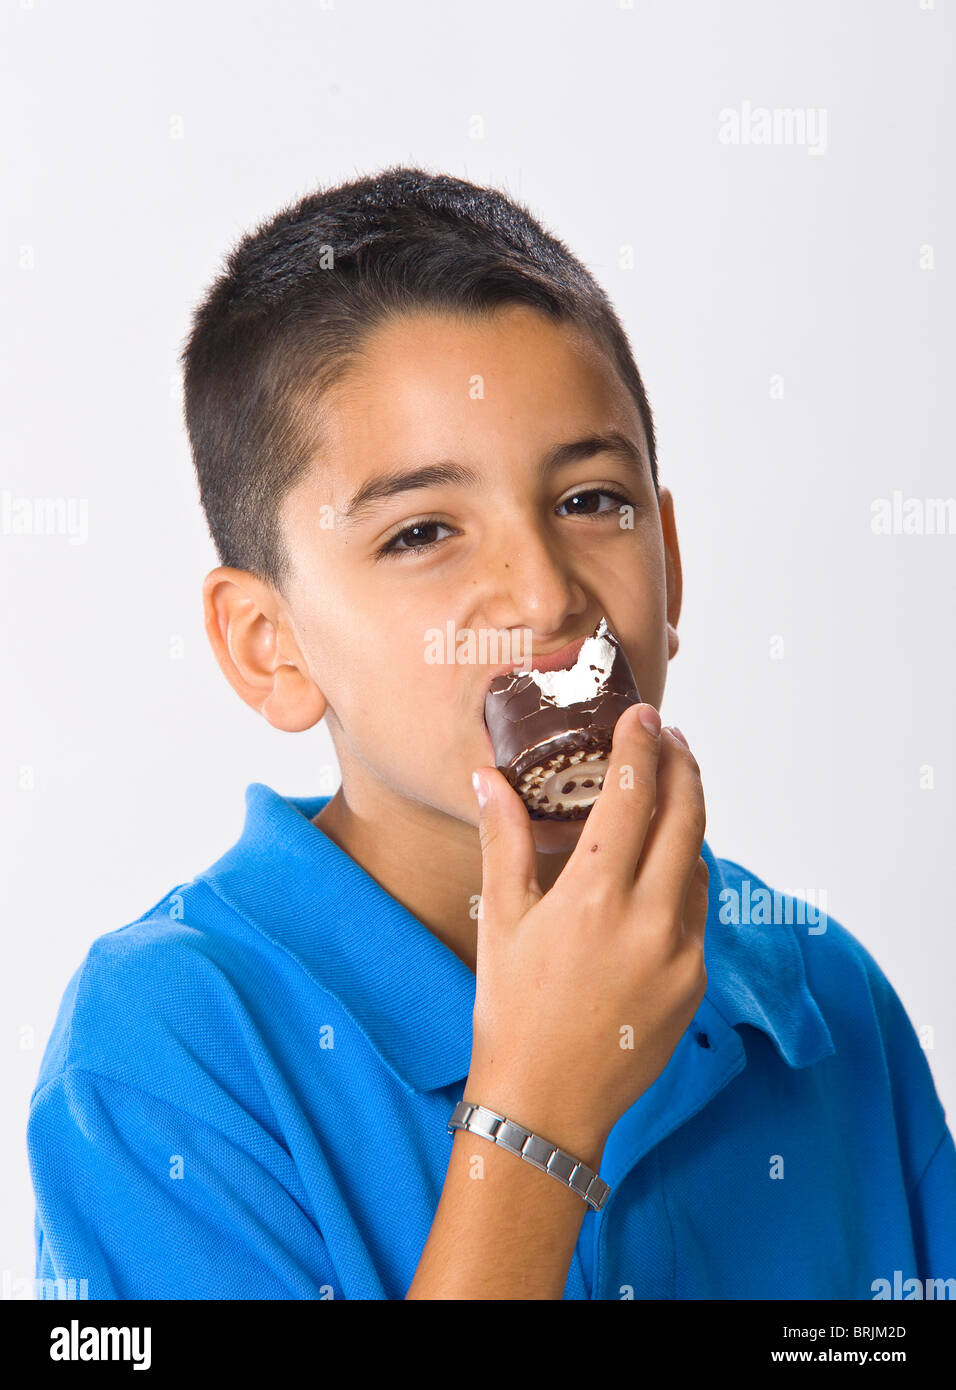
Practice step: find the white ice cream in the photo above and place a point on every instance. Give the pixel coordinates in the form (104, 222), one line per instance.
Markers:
(580, 683)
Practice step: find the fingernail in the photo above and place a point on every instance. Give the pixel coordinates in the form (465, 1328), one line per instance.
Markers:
(679, 736)
(650, 719)
(481, 791)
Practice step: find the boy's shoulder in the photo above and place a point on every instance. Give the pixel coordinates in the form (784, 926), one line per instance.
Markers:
(153, 993)
(841, 972)
(745, 899)
(875, 1044)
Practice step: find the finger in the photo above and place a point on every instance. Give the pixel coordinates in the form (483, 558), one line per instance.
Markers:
(509, 885)
(675, 836)
(696, 903)
(613, 835)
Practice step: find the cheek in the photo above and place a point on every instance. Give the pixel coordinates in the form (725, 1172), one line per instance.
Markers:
(644, 632)
(401, 710)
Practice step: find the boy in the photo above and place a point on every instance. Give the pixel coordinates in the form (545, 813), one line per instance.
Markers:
(247, 1091)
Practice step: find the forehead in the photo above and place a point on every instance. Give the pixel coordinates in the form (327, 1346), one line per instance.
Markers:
(508, 333)
(436, 381)
(495, 392)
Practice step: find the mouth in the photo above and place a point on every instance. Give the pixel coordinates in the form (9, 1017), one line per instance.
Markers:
(551, 730)
(560, 660)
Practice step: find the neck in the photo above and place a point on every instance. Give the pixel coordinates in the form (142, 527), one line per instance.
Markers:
(427, 861)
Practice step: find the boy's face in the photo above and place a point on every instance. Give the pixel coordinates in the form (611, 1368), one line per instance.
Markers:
(495, 395)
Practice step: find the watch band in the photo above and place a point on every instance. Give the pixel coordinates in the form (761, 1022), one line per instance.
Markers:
(478, 1119)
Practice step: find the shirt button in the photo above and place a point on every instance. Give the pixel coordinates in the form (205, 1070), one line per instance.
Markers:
(701, 1039)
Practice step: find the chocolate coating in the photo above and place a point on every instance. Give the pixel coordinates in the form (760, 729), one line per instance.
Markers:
(530, 731)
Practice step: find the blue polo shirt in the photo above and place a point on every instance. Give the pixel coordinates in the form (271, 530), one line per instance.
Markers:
(246, 1090)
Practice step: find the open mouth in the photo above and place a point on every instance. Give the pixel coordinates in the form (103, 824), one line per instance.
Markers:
(551, 730)
(561, 660)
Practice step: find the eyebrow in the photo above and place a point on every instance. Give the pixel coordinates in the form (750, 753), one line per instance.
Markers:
(448, 473)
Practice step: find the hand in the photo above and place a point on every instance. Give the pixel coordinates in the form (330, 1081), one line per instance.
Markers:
(584, 992)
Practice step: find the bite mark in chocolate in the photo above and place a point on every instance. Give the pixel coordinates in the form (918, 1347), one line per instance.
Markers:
(544, 723)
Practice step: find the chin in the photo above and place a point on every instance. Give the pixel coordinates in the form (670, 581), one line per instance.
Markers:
(556, 837)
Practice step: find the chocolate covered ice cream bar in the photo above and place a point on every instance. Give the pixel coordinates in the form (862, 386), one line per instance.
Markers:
(552, 730)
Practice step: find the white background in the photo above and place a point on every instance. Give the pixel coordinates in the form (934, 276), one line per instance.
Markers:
(140, 140)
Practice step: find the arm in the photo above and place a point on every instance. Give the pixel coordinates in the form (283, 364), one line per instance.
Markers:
(503, 1229)
(558, 976)
(933, 1211)
(145, 1201)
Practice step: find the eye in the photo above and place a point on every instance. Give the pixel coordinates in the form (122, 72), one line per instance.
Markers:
(424, 524)
(618, 497)
(418, 530)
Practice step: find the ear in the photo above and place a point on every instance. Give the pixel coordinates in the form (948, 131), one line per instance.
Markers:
(672, 567)
(253, 644)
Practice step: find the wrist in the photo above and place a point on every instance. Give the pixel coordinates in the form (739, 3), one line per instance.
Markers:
(535, 1112)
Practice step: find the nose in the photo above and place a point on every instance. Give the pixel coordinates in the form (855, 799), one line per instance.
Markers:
(529, 582)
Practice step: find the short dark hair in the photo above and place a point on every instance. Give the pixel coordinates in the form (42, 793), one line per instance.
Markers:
(287, 316)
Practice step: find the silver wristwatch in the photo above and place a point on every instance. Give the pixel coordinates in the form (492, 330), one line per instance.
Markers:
(478, 1119)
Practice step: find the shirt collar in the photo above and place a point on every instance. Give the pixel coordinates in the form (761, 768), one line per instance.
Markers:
(408, 992)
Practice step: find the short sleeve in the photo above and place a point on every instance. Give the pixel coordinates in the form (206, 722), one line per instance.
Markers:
(145, 1201)
(919, 1113)
(933, 1209)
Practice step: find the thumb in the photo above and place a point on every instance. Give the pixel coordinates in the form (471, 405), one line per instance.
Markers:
(509, 866)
